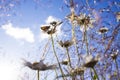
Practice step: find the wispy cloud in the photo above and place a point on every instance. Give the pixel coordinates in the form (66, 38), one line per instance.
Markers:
(19, 33)
(47, 21)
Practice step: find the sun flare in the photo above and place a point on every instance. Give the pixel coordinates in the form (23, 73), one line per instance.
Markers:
(8, 72)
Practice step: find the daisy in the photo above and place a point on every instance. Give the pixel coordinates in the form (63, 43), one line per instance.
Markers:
(65, 44)
(74, 72)
(85, 22)
(39, 66)
(91, 61)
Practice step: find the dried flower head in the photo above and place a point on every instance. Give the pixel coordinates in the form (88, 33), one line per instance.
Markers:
(56, 23)
(78, 71)
(114, 55)
(85, 22)
(72, 17)
(39, 66)
(118, 16)
(45, 28)
(51, 27)
(65, 44)
(103, 30)
(65, 62)
(91, 61)
(74, 72)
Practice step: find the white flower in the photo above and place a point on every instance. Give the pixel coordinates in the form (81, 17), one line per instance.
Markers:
(65, 44)
(39, 65)
(85, 22)
(91, 61)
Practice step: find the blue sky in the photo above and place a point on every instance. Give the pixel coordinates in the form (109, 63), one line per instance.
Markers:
(20, 35)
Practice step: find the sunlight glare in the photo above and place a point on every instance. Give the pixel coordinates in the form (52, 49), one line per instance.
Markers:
(8, 72)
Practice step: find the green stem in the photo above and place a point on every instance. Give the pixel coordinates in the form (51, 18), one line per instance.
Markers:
(95, 73)
(57, 57)
(86, 40)
(68, 58)
(117, 68)
(38, 74)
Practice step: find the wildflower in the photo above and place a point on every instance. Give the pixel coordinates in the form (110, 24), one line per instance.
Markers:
(56, 23)
(51, 28)
(73, 18)
(114, 55)
(74, 72)
(65, 62)
(65, 44)
(85, 22)
(78, 71)
(39, 66)
(103, 30)
(45, 28)
(90, 61)
(118, 16)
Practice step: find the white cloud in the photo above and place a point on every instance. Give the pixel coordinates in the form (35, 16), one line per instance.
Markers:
(48, 20)
(19, 33)
(51, 19)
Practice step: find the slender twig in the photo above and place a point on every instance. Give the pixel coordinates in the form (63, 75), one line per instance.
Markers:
(57, 57)
(114, 34)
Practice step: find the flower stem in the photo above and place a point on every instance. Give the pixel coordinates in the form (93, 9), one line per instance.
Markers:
(86, 40)
(74, 40)
(68, 57)
(38, 74)
(57, 57)
(117, 68)
(95, 73)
